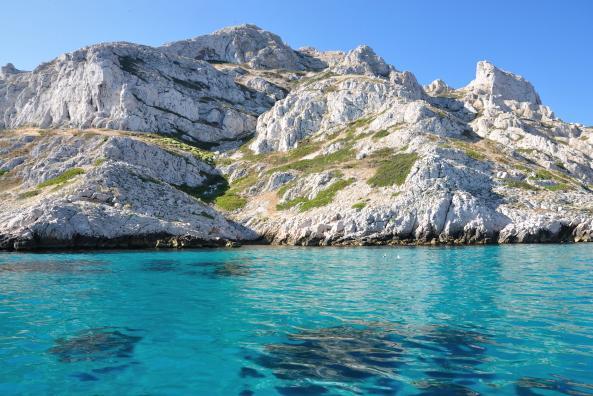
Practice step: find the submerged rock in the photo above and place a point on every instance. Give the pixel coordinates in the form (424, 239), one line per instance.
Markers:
(375, 354)
(95, 345)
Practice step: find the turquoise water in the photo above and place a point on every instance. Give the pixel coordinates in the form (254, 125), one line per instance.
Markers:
(292, 321)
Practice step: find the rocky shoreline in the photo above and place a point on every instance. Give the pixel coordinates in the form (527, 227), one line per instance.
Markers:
(162, 241)
(234, 137)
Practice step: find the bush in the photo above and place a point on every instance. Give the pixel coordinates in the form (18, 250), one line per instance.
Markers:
(544, 174)
(3, 172)
(557, 187)
(394, 170)
(29, 194)
(380, 134)
(318, 163)
(519, 184)
(177, 144)
(325, 197)
(475, 154)
(62, 178)
(230, 201)
(359, 205)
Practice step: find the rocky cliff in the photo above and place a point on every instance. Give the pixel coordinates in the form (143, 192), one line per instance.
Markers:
(235, 136)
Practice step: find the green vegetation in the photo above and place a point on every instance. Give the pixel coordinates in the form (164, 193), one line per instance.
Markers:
(519, 184)
(173, 144)
(324, 197)
(230, 201)
(359, 205)
(317, 77)
(560, 140)
(319, 163)
(99, 161)
(560, 165)
(393, 170)
(291, 203)
(29, 194)
(380, 134)
(441, 113)
(244, 182)
(216, 189)
(214, 186)
(557, 187)
(475, 154)
(62, 178)
(3, 172)
(543, 174)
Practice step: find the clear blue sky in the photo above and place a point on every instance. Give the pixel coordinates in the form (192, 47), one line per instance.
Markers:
(548, 42)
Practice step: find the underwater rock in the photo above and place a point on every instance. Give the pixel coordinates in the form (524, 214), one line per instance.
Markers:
(374, 354)
(94, 345)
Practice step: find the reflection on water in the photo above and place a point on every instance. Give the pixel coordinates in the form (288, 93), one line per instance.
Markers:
(514, 320)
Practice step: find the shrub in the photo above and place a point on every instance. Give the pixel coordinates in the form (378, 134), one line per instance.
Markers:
(557, 187)
(359, 205)
(62, 178)
(323, 198)
(475, 154)
(3, 172)
(519, 184)
(380, 134)
(544, 174)
(29, 194)
(394, 170)
(214, 186)
(318, 163)
(230, 201)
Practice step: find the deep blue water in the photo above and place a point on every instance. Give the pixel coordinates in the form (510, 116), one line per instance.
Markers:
(292, 321)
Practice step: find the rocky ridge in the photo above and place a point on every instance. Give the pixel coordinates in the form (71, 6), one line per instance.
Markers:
(346, 149)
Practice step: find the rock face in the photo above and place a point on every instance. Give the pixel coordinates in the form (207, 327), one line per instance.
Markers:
(501, 85)
(131, 87)
(347, 150)
(126, 192)
(245, 44)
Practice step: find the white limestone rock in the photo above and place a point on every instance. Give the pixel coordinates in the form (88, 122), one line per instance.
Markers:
(437, 88)
(131, 87)
(244, 44)
(498, 86)
(363, 60)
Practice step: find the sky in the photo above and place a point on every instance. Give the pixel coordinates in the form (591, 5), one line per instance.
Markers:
(550, 43)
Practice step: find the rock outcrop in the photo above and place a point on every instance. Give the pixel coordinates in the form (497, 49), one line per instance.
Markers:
(247, 44)
(347, 150)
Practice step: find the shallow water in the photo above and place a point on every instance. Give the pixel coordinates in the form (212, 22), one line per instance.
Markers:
(292, 321)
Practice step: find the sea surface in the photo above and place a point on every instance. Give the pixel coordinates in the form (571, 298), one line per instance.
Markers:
(514, 320)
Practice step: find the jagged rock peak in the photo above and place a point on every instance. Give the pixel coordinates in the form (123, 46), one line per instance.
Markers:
(363, 60)
(502, 85)
(437, 88)
(244, 44)
(8, 70)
